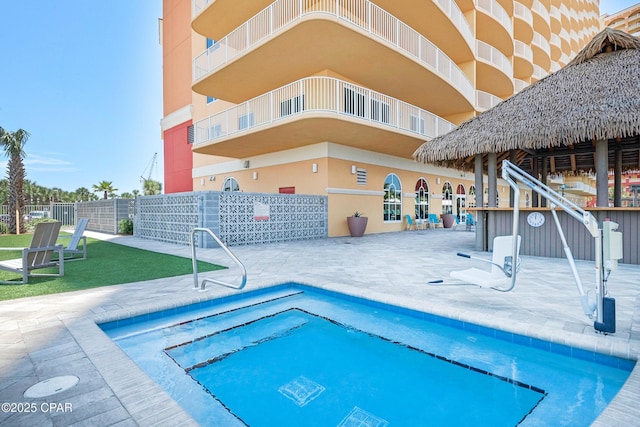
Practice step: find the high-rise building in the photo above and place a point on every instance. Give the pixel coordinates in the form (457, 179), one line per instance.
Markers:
(332, 97)
(627, 20)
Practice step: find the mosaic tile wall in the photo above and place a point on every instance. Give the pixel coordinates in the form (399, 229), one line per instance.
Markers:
(249, 218)
(237, 218)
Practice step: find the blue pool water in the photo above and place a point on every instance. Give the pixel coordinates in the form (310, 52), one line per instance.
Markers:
(294, 355)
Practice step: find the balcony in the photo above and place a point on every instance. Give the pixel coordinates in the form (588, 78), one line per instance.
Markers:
(315, 110)
(523, 22)
(494, 25)
(495, 71)
(286, 42)
(522, 59)
(217, 18)
(446, 27)
(541, 18)
(541, 50)
(485, 100)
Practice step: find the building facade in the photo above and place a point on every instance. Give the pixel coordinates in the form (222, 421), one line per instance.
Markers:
(627, 20)
(332, 97)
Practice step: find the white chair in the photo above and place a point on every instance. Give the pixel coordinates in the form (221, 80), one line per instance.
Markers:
(501, 265)
(71, 251)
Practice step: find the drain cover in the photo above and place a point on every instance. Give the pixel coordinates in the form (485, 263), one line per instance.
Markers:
(51, 386)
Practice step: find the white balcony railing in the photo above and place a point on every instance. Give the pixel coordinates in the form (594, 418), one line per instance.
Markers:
(493, 8)
(540, 40)
(555, 40)
(522, 50)
(490, 54)
(358, 13)
(538, 72)
(198, 6)
(541, 10)
(518, 85)
(452, 10)
(523, 12)
(326, 95)
(485, 100)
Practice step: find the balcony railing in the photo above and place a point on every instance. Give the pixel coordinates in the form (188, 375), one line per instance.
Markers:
(493, 8)
(198, 6)
(358, 13)
(493, 56)
(452, 10)
(538, 72)
(540, 40)
(485, 100)
(522, 50)
(539, 8)
(519, 85)
(523, 12)
(326, 95)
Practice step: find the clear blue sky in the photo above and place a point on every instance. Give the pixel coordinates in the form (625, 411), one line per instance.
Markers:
(84, 78)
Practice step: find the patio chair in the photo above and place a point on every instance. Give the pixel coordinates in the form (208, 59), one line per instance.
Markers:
(501, 265)
(71, 251)
(471, 222)
(434, 222)
(413, 223)
(38, 254)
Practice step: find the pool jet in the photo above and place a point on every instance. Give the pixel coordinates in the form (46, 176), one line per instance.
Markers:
(608, 245)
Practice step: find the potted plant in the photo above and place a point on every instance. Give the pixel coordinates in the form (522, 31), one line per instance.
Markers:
(357, 224)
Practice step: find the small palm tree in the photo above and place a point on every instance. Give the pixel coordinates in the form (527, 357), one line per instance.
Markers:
(13, 146)
(106, 187)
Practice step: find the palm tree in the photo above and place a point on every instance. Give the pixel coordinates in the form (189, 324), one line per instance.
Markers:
(83, 194)
(151, 187)
(13, 145)
(104, 186)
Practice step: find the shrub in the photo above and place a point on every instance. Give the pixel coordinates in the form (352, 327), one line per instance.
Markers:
(125, 226)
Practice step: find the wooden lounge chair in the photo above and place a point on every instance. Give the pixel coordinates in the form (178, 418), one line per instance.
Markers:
(71, 251)
(38, 254)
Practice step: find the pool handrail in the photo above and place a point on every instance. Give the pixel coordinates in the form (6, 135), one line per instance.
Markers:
(194, 261)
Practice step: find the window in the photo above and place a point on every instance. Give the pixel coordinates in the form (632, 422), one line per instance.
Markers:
(422, 199)
(210, 99)
(353, 102)
(416, 124)
(447, 198)
(210, 42)
(245, 121)
(380, 111)
(291, 106)
(461, 203)
(392, 210)
(230, 184)
(215, 131)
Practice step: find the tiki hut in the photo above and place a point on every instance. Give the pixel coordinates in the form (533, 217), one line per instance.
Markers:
(552, 126)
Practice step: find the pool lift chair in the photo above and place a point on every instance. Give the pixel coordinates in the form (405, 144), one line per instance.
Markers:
(608, 246)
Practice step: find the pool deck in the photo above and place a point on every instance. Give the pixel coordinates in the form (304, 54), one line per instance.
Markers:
(47, 336)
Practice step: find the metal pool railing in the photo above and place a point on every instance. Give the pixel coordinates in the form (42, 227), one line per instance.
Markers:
(194, 260)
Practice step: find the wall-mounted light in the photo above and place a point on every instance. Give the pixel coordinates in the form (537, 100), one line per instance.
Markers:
(437, 180)
(353, 169)
(246, 164)
(201, 181)
(314, 168)
(212, 178)
(255, 175)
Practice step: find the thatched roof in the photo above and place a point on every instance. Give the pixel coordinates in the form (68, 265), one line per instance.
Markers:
(595, 96)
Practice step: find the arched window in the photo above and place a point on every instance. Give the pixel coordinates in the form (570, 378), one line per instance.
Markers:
(447, 198)
(230, 184)
(392, 198)
(422, 199)
(471, 198)
(461, 203)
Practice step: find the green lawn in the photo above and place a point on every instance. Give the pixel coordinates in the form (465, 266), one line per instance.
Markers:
(107, 264)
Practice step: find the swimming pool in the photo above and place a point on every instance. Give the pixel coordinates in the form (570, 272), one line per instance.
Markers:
(294, 354)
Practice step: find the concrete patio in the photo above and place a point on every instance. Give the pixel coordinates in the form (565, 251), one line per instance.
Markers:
(43, 337)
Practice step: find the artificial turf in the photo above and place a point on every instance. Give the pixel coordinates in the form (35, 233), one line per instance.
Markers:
(106, 264)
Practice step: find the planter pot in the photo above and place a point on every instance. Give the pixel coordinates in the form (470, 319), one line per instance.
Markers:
(357, 225)
(448, 220)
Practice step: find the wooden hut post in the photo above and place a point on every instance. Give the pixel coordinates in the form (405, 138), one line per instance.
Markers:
(617, 180)
(602, 173)
(480, 214)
